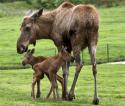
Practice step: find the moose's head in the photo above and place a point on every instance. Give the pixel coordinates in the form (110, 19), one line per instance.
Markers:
(29, 30)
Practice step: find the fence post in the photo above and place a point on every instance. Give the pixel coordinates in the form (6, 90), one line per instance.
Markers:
(107, 52)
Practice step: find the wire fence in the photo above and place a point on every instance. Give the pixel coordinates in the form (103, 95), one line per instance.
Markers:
(9, 59)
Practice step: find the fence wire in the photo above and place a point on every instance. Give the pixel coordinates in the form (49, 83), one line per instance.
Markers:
(9, 59)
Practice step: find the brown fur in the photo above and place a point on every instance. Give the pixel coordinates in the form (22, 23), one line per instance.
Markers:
(50, 66)
(74, 26)
(32, 60)
(77, 20)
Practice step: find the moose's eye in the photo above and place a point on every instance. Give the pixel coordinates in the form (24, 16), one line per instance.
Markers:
(28, 58)
(27, 29)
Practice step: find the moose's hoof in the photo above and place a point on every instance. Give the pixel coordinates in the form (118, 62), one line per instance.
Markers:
(71, 97)
(38, 95)
(96, 101)
(33, 99)
(65, 96)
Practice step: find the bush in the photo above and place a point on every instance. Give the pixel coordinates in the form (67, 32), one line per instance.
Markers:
(54, 3)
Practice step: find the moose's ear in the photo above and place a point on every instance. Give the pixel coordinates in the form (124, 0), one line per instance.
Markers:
(29, 12)
(38, 13)
(32, 51)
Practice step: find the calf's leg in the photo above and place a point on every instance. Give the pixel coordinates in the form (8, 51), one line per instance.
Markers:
(38, 89)
(56, 86)
(51, 89)
(33, 86)
(60, 79)
(38, 86)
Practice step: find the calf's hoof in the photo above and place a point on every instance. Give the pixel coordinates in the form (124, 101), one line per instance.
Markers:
(95, 101)
(71, 97)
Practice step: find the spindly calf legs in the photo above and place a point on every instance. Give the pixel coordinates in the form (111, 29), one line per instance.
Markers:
(38, 89)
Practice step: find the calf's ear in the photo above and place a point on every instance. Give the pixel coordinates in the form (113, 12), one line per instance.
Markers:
(28, 50)
(28, 13)
(33, 50)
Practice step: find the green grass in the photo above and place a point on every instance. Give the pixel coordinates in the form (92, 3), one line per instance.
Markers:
(13, 9)
(15, 87)
(111, 31)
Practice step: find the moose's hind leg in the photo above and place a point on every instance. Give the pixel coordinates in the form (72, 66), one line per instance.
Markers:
(65, 69)
(92, 50)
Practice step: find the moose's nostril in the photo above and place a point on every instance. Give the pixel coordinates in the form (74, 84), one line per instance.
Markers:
(22, 46)
(26, 49)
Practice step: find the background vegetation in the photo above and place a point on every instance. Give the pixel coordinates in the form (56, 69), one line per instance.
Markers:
(54, 3)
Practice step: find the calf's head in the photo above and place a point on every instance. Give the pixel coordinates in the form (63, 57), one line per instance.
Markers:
(28, 57)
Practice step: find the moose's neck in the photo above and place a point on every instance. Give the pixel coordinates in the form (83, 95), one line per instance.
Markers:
(45, 23)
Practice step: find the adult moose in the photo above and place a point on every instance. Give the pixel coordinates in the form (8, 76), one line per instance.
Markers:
(74, 26)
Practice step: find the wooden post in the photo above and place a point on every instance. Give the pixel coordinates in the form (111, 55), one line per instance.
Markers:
(107, 52)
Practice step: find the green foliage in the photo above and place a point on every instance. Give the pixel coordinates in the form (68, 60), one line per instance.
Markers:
(54, 3)
(44, 3)
(10, 0)
(13, 9)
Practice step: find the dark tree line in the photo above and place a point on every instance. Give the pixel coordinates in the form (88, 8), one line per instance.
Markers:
(55, 3)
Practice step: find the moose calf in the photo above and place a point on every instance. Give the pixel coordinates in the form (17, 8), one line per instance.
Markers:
(32, 60)
(50, 67)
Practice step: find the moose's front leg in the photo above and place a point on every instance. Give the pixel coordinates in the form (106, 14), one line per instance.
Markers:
(78, 69)
(65, 69)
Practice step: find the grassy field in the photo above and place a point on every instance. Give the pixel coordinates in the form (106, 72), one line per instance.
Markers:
(15, 87)
(112, 32)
